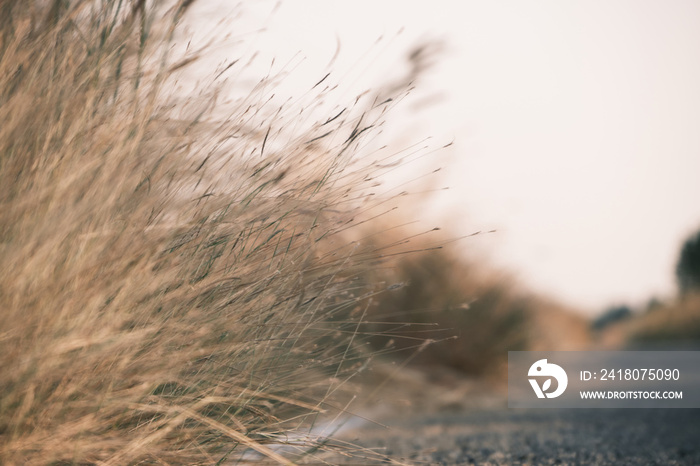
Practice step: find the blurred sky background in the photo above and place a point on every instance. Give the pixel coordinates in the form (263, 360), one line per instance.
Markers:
(576, 125)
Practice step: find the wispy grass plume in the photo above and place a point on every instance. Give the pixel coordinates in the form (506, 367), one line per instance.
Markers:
(169, 264)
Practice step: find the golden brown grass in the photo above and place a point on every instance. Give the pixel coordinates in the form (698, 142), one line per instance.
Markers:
(474, 316)
(170, 265)
(673, 324)
(678, 321)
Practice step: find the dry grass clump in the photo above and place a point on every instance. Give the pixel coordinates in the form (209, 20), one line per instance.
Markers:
(169, 266)
(672, 324)
(473, 316)
(676, 322)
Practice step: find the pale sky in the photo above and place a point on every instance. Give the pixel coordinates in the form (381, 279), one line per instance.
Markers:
(576, 125)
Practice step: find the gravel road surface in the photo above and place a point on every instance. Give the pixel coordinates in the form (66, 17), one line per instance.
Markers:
(576, 436)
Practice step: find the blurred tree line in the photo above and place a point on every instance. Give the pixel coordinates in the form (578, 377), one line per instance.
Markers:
(688, 267)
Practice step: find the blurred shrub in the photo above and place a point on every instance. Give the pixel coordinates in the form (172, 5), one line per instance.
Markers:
(437, 309)
(674, 322)
(470, 321)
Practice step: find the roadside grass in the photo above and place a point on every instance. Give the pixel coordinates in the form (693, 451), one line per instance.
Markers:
(676, 322)
(176, 282)
(471, 314)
